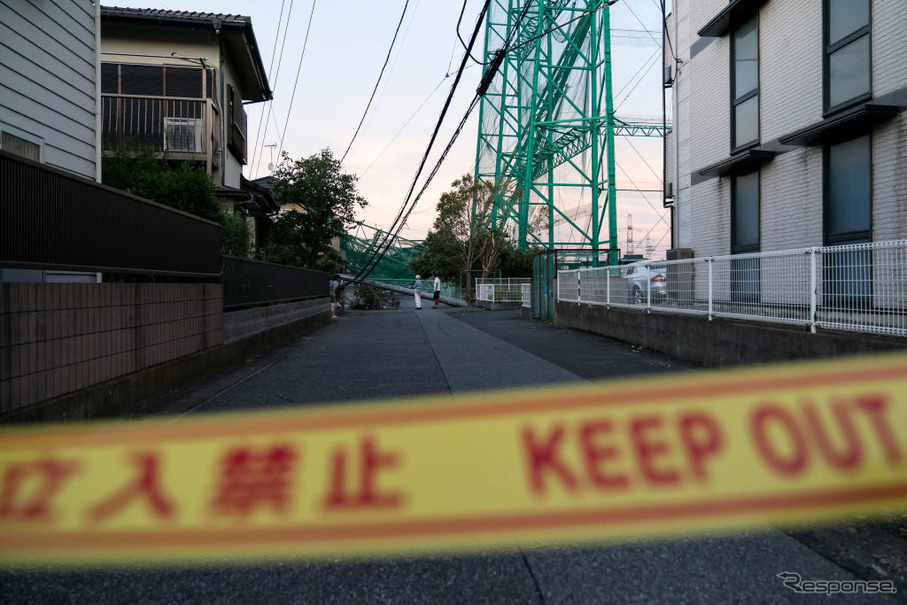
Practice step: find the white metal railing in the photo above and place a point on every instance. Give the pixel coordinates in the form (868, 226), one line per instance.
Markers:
(504, 289)
(855, 287)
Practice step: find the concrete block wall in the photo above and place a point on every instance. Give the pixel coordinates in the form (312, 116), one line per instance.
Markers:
(720, 342)
(59, 338)
(240, 324)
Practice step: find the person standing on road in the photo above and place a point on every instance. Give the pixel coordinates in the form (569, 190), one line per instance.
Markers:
(335, 295)
(417, 292)
(437, 292)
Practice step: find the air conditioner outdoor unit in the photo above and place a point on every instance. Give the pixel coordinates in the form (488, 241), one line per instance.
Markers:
(183, 135)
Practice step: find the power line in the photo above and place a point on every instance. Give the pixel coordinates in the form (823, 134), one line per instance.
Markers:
(405, 124)
(460, 38)
(258, 133)
(259, 151)
(375, 90)
(407, 206)
(305, 43)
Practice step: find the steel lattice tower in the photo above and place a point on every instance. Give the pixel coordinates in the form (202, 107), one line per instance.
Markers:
(547, 124)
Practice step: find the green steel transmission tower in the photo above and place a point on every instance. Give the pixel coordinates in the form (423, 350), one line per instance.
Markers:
(547, 124)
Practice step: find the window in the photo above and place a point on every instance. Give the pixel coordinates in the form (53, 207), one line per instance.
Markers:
(848, 191)
(745, 237)
(155, 80)
(848, 220)
(848, 62)
(745, 84)
(183, 82)
(142, 80)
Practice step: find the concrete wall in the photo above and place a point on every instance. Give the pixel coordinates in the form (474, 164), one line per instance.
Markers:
(59, 338)
(718, 342)
(241, 324)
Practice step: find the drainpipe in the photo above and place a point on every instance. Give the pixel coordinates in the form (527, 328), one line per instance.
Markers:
(98, 107)
(223, 105)
(664, 129)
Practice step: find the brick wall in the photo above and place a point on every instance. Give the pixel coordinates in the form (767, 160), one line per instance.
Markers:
(59, 338)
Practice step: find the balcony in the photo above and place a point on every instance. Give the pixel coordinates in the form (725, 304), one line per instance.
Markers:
(181, 128)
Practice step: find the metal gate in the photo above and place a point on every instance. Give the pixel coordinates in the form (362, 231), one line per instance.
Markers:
(544, 273)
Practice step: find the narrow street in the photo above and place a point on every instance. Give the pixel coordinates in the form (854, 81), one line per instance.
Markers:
(390, 354)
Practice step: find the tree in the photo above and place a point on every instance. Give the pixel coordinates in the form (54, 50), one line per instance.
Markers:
(462, 242)
(184, 186)
(460, 239)
(324, 201)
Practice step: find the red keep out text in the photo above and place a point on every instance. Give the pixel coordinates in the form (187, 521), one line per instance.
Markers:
(652, 449)
(790, 441)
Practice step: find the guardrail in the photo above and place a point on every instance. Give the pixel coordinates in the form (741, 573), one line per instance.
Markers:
(504, 289)
(249, 283)
(854, 287)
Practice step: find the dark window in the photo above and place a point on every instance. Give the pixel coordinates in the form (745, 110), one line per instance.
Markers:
(745, 84)
(848, 191)
(745, 280)
(847, 274)
(184, 82)
(154, 80)
(848, 60)
(142, 80)
(110, 78)
(745, 213)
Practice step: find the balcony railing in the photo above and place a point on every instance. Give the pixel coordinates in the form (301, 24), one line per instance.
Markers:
(184, 129)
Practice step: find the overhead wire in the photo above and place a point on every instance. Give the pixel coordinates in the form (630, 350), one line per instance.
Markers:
(668, 33)
(582, 15)
(408, 205)
(305, 43)
(382, 247)
(460, 38)
(405, 124)
(377, 83)
(258, 133)
(259, 151)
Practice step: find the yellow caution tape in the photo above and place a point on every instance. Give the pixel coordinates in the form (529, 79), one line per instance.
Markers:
(613, 460)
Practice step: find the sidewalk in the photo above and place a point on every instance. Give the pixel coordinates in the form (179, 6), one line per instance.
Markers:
(392, 354)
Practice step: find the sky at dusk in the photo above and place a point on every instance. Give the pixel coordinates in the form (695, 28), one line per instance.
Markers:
(346, 47)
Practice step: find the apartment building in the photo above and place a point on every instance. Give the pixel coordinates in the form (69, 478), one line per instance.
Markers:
(789, 128)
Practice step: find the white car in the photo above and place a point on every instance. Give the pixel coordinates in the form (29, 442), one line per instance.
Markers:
(645, 281)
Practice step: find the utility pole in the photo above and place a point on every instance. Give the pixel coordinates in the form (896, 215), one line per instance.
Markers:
(629, 234)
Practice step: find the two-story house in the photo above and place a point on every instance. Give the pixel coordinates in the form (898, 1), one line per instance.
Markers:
(177, 82)
(789, 128)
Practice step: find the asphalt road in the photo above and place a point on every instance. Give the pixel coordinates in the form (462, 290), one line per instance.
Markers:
(388, 354)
